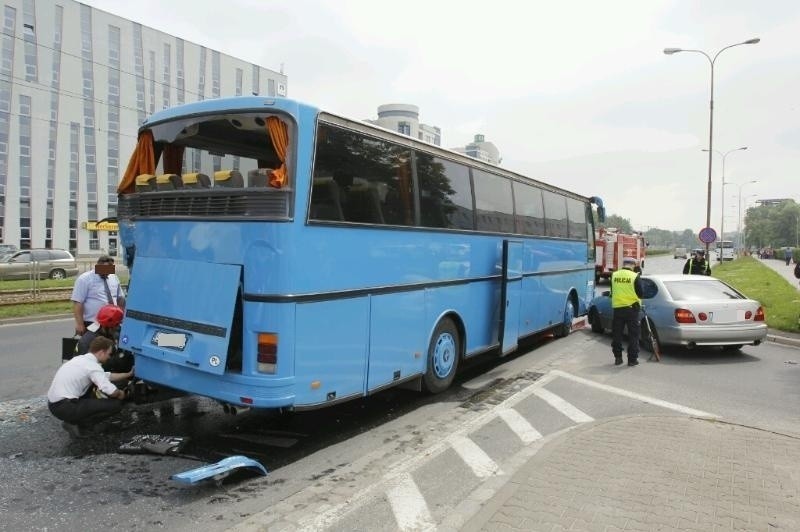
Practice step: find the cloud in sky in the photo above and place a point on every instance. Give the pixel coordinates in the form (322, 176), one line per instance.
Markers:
(577, 93)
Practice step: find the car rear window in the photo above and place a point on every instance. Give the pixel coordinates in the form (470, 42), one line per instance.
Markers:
(701, 290)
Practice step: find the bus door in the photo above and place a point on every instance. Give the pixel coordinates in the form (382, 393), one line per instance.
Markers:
(510, 295)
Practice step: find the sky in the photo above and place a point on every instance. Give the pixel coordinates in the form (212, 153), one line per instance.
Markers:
(575, 93)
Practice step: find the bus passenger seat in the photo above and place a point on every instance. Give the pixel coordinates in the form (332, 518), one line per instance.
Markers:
(228, 178)
(196, 180)
(145, 183)
(364, 205)
(325, 201)
(258, 177)
(168, 182)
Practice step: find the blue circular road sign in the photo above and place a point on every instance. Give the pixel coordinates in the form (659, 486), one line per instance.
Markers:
(707, 235)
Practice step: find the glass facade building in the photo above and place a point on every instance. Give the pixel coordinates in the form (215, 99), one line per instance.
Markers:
(75, 84)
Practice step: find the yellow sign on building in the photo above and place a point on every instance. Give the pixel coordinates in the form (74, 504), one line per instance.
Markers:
(101, 226)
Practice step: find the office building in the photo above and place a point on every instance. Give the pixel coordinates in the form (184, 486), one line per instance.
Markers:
(76, 82)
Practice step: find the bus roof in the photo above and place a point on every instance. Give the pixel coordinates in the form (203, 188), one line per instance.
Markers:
(238, 104)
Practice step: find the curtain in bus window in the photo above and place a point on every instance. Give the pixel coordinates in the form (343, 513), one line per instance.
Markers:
(142, 161)
(445, 193)
(371, 177)
(173, 159)
(280, 141)
(494, 207)
(530, 211)
(555, 211)
(576, 212)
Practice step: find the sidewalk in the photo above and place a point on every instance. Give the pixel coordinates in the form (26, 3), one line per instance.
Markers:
(659, 472)
(780, 266)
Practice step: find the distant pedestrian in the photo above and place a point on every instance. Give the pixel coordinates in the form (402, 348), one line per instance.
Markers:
(787, 254)
(626, 289)
(697, 264)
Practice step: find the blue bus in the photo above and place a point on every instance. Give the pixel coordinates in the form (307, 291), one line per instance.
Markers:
(284, 257)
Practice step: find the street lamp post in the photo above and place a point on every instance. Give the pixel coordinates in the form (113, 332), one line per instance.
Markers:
(670, 51)
(722, 205)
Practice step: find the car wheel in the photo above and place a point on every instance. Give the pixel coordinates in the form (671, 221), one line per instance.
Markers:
(595, 322)
(645, 339)
(58, 274)
(443, 354)
(732, 347)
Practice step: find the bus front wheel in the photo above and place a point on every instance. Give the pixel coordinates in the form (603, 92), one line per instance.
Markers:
(443, 354)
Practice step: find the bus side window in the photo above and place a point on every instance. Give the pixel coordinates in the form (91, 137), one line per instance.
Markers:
(364, 204)
(325, 201)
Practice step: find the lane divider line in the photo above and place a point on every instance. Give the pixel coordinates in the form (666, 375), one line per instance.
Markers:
(519, 425)
(575, 414)
(475, 457)
(633, 395)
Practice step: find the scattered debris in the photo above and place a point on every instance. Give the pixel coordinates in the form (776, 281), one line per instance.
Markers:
(218, 471)
(154, 443)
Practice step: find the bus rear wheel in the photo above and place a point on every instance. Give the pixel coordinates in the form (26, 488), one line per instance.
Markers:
(443, 354)
(566, 325)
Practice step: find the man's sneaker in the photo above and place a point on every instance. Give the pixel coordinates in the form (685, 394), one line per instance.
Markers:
(633, 362)
(74, 430)
(617, 361)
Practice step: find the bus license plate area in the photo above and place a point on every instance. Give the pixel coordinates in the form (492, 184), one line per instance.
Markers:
(169, 339)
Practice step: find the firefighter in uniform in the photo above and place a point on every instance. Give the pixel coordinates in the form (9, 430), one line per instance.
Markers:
(626, 289)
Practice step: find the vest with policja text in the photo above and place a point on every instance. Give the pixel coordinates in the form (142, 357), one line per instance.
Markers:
(623, 294)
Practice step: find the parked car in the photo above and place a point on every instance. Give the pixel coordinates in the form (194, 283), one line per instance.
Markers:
(680, 253)
(690, 311)
(43, 263)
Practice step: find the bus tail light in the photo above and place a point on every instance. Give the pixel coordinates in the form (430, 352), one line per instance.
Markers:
(267, 352)
(684, 316)
(759, 314)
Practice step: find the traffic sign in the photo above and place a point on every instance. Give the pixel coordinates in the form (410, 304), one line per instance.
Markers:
(707, 235)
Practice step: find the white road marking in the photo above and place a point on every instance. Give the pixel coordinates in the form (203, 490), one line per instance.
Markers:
(576, 415)
(633, 395)
(519, 425)
(475, 457)
(409, 506)
(397, 485)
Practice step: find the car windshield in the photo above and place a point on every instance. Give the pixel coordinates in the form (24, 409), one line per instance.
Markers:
(702, 290)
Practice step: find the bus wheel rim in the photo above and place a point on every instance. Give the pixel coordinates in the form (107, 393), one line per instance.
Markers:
(444, 355)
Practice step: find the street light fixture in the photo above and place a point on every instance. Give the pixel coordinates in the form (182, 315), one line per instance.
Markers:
(670, 51)
(722, 206)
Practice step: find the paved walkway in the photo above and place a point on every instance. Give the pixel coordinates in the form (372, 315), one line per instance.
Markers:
(786, 271)
(653, 473)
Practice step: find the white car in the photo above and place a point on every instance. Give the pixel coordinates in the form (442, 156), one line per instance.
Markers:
(691, 311)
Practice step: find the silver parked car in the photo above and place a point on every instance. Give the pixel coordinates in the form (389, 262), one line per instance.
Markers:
(41, 263)
(691, 310)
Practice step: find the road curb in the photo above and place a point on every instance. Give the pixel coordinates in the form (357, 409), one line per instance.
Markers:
(783, 340)
(34, 319)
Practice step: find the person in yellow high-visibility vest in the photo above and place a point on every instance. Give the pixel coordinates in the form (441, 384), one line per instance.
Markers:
(626, 289)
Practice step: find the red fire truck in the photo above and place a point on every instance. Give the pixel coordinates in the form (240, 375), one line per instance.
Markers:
(612, 246)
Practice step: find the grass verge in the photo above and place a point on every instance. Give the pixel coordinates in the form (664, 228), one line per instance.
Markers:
(36, 309)
(780, 299)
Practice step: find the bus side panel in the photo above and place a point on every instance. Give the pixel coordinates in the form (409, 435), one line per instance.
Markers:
(330, 349)
(475, 303)
(532, 313)
(398, 342)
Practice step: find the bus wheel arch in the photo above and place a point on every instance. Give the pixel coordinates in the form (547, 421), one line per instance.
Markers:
(445, 350)
(570, 313)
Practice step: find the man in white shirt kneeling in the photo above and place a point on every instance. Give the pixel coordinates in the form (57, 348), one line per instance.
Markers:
(70, 397)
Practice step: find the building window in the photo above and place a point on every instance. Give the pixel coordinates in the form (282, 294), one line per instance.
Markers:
(404, 128)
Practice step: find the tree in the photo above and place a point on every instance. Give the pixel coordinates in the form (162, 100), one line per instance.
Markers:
(622, 224)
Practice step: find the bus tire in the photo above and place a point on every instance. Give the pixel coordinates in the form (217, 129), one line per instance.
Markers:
(443, 354)
(566, 325)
